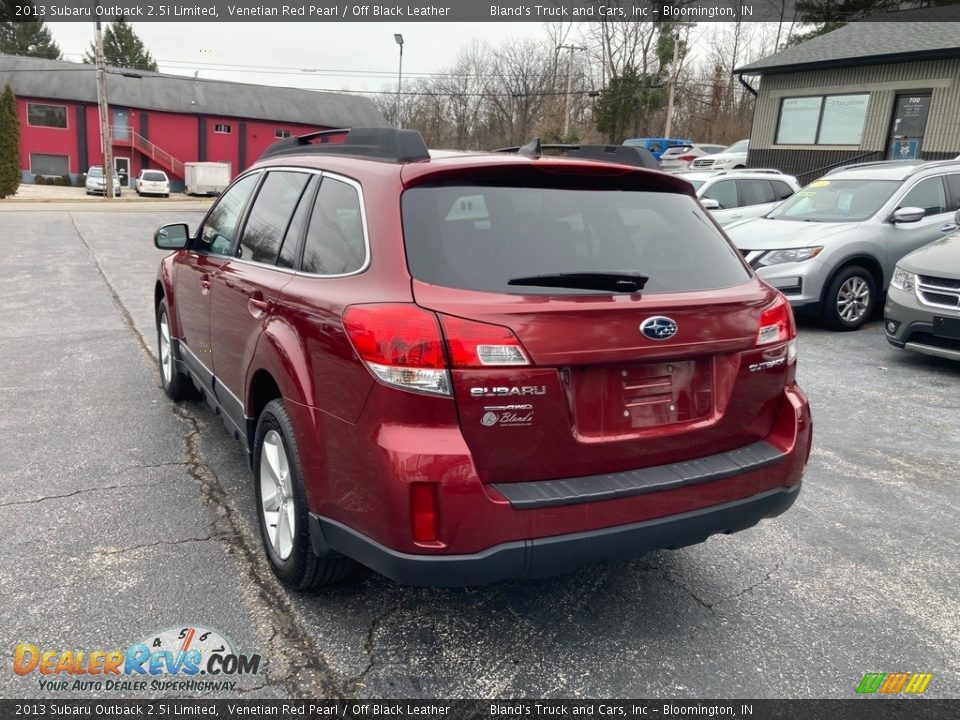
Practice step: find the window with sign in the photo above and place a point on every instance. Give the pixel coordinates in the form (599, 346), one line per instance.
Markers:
(823, 120)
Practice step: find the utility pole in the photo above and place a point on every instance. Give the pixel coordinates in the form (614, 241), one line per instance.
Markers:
(106, 139)
(566, 101)
(398, 38)
(674, 75)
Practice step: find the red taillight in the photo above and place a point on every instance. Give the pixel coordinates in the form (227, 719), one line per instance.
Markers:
(398, 335)
(687, 158)
(476, 344)
(423, 509)
(776, 323)
(401, 345)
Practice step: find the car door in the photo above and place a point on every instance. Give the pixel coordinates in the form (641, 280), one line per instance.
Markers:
(248, 284)
(929, 194)
(725, 193)
(757, 197)
(195, 270)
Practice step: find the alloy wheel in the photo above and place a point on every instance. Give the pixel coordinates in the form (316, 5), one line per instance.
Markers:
(276, 495)
(853, 299)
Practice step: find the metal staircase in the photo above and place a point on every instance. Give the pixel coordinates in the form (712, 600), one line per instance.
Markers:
(128, 137)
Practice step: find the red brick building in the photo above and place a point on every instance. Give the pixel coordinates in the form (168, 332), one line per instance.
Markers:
(160, 121)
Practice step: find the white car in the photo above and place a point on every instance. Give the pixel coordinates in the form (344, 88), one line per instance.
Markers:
(152, 182)
(678, 159)
(731, 158)
(741, 194)
(95, 184)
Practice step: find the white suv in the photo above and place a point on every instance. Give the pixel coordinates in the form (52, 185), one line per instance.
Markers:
(152, 182)
(742, 194)
(732, 158)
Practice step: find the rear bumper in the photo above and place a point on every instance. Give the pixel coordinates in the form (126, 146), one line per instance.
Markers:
(554, 555)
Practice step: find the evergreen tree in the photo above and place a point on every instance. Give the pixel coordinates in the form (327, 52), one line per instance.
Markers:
(122, 48)
(24, 38)
(627, 99)
(9, 144)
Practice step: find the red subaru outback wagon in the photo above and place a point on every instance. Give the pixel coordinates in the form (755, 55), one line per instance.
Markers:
(459, 368)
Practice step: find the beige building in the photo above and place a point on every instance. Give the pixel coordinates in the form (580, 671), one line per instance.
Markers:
(868, 91)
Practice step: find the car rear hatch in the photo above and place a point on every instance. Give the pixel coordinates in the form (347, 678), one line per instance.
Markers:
(554, 381)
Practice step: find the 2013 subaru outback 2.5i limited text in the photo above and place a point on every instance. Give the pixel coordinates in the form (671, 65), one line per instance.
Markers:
(457, 368)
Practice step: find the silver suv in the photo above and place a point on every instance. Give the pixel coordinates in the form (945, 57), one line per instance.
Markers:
(740, 194)
(832, 247)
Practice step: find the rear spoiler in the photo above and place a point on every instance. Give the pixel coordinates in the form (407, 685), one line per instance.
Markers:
(620, 154)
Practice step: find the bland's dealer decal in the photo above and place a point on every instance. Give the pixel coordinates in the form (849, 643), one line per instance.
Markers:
(507, 415)
(153, 664)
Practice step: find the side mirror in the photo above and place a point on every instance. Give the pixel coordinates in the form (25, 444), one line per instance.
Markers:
(172, 237)
(709, 204)
(908, 215)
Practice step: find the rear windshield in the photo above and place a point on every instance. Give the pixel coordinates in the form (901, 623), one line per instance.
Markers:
(154, 176)
(479, 237)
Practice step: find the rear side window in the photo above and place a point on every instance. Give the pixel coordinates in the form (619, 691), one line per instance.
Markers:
(755, 192)
(724, 192)
(335, 242)
(478, 238)
(270, 216)
(953, 184)
(781, 189)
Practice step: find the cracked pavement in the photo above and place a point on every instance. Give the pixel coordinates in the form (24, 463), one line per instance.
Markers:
(125, 514)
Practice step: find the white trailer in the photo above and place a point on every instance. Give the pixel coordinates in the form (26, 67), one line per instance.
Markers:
(206, 178)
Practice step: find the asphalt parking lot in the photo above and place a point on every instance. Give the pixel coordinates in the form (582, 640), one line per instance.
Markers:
(124, 514)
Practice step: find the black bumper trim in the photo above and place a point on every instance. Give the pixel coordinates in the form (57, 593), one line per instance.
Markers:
(591, 488)
(541, 557)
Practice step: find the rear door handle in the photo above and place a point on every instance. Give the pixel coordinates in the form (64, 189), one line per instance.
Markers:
(949, 227)
(204, 283)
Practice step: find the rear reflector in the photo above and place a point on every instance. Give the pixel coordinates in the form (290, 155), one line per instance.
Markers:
(423, 505)
(776, 323)
(476, 344)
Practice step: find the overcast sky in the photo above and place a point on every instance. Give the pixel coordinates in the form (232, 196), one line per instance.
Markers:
(367, 49)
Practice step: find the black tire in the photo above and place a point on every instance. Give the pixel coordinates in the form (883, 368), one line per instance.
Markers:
(853, 289)
(302, 569)
(175, 385)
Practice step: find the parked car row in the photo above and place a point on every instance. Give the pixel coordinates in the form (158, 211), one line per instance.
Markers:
(837, 245)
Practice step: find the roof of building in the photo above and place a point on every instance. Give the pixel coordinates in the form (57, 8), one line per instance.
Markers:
(867, 43)
(59, 80)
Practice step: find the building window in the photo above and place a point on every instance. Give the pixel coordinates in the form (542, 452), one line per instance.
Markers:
(281, 134)
(822, 120)
(58, 165)
(222, 129)
(52, 116)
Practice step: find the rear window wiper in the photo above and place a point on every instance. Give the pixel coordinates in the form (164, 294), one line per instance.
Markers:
(627, 282)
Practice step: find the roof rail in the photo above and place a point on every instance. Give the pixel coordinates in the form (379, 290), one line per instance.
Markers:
(387, 144)
(620, 154)
(765, 171)
(935, 164)
(874, 163)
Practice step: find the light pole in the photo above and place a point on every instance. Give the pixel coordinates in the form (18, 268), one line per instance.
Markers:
(566, 100)
(399, 40)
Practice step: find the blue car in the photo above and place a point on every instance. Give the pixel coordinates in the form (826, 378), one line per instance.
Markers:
(656, 145)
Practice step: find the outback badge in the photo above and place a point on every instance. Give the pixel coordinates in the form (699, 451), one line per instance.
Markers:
(658, 327)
